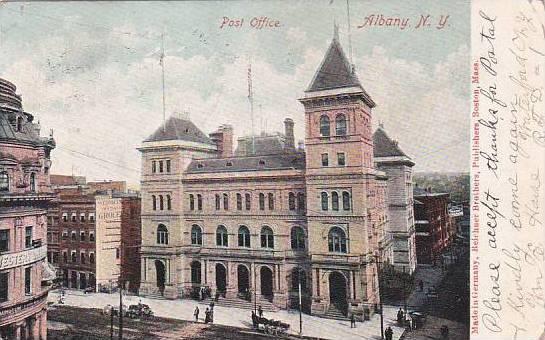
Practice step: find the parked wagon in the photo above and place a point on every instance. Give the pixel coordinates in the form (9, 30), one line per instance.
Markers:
(270, 326)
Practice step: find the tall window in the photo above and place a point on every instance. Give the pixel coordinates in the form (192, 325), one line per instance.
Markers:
(161, 202)
(239, 201)
(73, 256)
(196, 235)
(325, 159)
(28, 237)
(4, 181)
(191, 202)
(199, 202)
(335, 201)
(324, 126)
(291, 201)
(32, 182)
(225, 202)
(4, 240)
(271, 200)
(325, 203)
(82, 258)
(261, 201)
(162, 234)
(168, 165)
(222, 236)
(243, 237)
(341, 160)
(19, 126)
(337, 240)
(169, 203)
(91, 236)
(28, 280)
(300, 201)
(248, 201)
(160, 166)
(65, 257)
(153, 167)
(297, 238)
(218, 200)
(340, 125)
(346, 200)
(92, 258)
(267, 238)
(4, 279)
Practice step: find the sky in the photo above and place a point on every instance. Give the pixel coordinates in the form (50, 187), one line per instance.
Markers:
(91, 72)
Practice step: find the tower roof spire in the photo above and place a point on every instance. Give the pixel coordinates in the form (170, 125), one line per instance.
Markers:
(335, 31)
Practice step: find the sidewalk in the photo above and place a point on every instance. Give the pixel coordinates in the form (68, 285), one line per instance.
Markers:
(431, 277)
(183, 309)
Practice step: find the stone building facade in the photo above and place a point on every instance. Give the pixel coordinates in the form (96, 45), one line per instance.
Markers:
(253, 223)
(24, 196)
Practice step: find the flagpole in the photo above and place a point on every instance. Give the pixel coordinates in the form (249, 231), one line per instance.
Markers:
(251, 99)
(162, 61)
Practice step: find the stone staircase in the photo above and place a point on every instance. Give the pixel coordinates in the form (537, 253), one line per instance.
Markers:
(156, 296)
(266, 305)
(334, 313)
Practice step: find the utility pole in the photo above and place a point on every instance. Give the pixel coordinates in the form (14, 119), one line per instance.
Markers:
(255, 292)
(300, 304)
(380, 299)
(112, 323)
(404, 293)
(120, 309)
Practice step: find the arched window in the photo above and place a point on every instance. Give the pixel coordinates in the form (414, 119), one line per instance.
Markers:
(222, 236)
(300, 201)
(199, 201)
(32, 182)
(196, 235)
(334, 201)
(340, 125)
(291, 201)
(162, 234)
(267, 238)
(218, 200)
(324, 126)
(346, 200)
(161, 202)
(191, 202)
(261, 201)
(169, 203)
(271, 201)
(225, 202)
(4, 181)
(337, 240)
(248, 201)
(243, 237)
(239, 201)
(297, 238)
(325, 203)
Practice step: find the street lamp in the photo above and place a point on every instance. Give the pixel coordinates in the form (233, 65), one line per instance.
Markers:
(300, 303)
(380, 297)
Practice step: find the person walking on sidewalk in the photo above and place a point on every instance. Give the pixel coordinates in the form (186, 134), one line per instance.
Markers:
(260, 311)
(388, 333)
(196, 314)
(352, 321)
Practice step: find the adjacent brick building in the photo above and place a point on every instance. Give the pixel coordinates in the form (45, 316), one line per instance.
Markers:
(24, 196)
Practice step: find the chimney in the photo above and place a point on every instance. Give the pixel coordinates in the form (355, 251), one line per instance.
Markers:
(223, 138)
(288, 131)
(301, 145)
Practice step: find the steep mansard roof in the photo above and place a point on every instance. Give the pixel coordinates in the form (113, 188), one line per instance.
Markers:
(384, 146)
(294, 160)
(179, 129)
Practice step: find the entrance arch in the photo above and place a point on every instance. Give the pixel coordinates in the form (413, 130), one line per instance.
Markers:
(243, 278)
(337, 291)
(160, 274)
(266, 278)
(221, 278)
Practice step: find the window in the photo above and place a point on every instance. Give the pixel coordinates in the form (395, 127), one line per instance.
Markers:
(271, 201)
(19, 126)
(196, 235)
(340, 125)
(154, 200)
(4, 279)
(55, 257)
(291, 201)
(4, 240)
(160, 166)
(301, 201)
(199, 202)
(82, 258)
(162, 234)
(243, 237)
(217, 202)
(225, 202)
(32, 182)
(117, 253)
(28, 280)
(73, 257)
(346, 200)
(153, 167)
(195, 272)
(325, 203)
(337, 240)
(91, 236)
(297, 274)
(267, 238)
(82, 217)
(191, 202)
(335, 201)
(28, 237)
(248, 201)
(65, 257)
(65, 217)
(4, 181)
(91, 217)
(297, 238)
(341, 159)
(73, 234)
(239, 201)
(73, 217)
(325, 159)
(168, 165)
(324, 126)
(92, 258)
(82, 236)
(161, 202)
(261, 201)
(222, 236)
(169, 203)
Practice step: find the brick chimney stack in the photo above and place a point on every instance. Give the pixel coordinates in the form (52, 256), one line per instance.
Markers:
(288, 131)
(223, 138)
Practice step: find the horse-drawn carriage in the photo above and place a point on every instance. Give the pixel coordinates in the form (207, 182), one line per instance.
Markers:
(139, 310)
(270, 326)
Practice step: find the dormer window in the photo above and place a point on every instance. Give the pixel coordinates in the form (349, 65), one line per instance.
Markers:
(229, 164)
(200, 165)
(261, 162)
(19, 125)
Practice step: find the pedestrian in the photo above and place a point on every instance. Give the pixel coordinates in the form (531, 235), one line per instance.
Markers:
(352, 321)
(254, 319)
(444, 331)
(260, 311)
(207, 315)
(400, 316)
(388, 332)
(196, 314)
